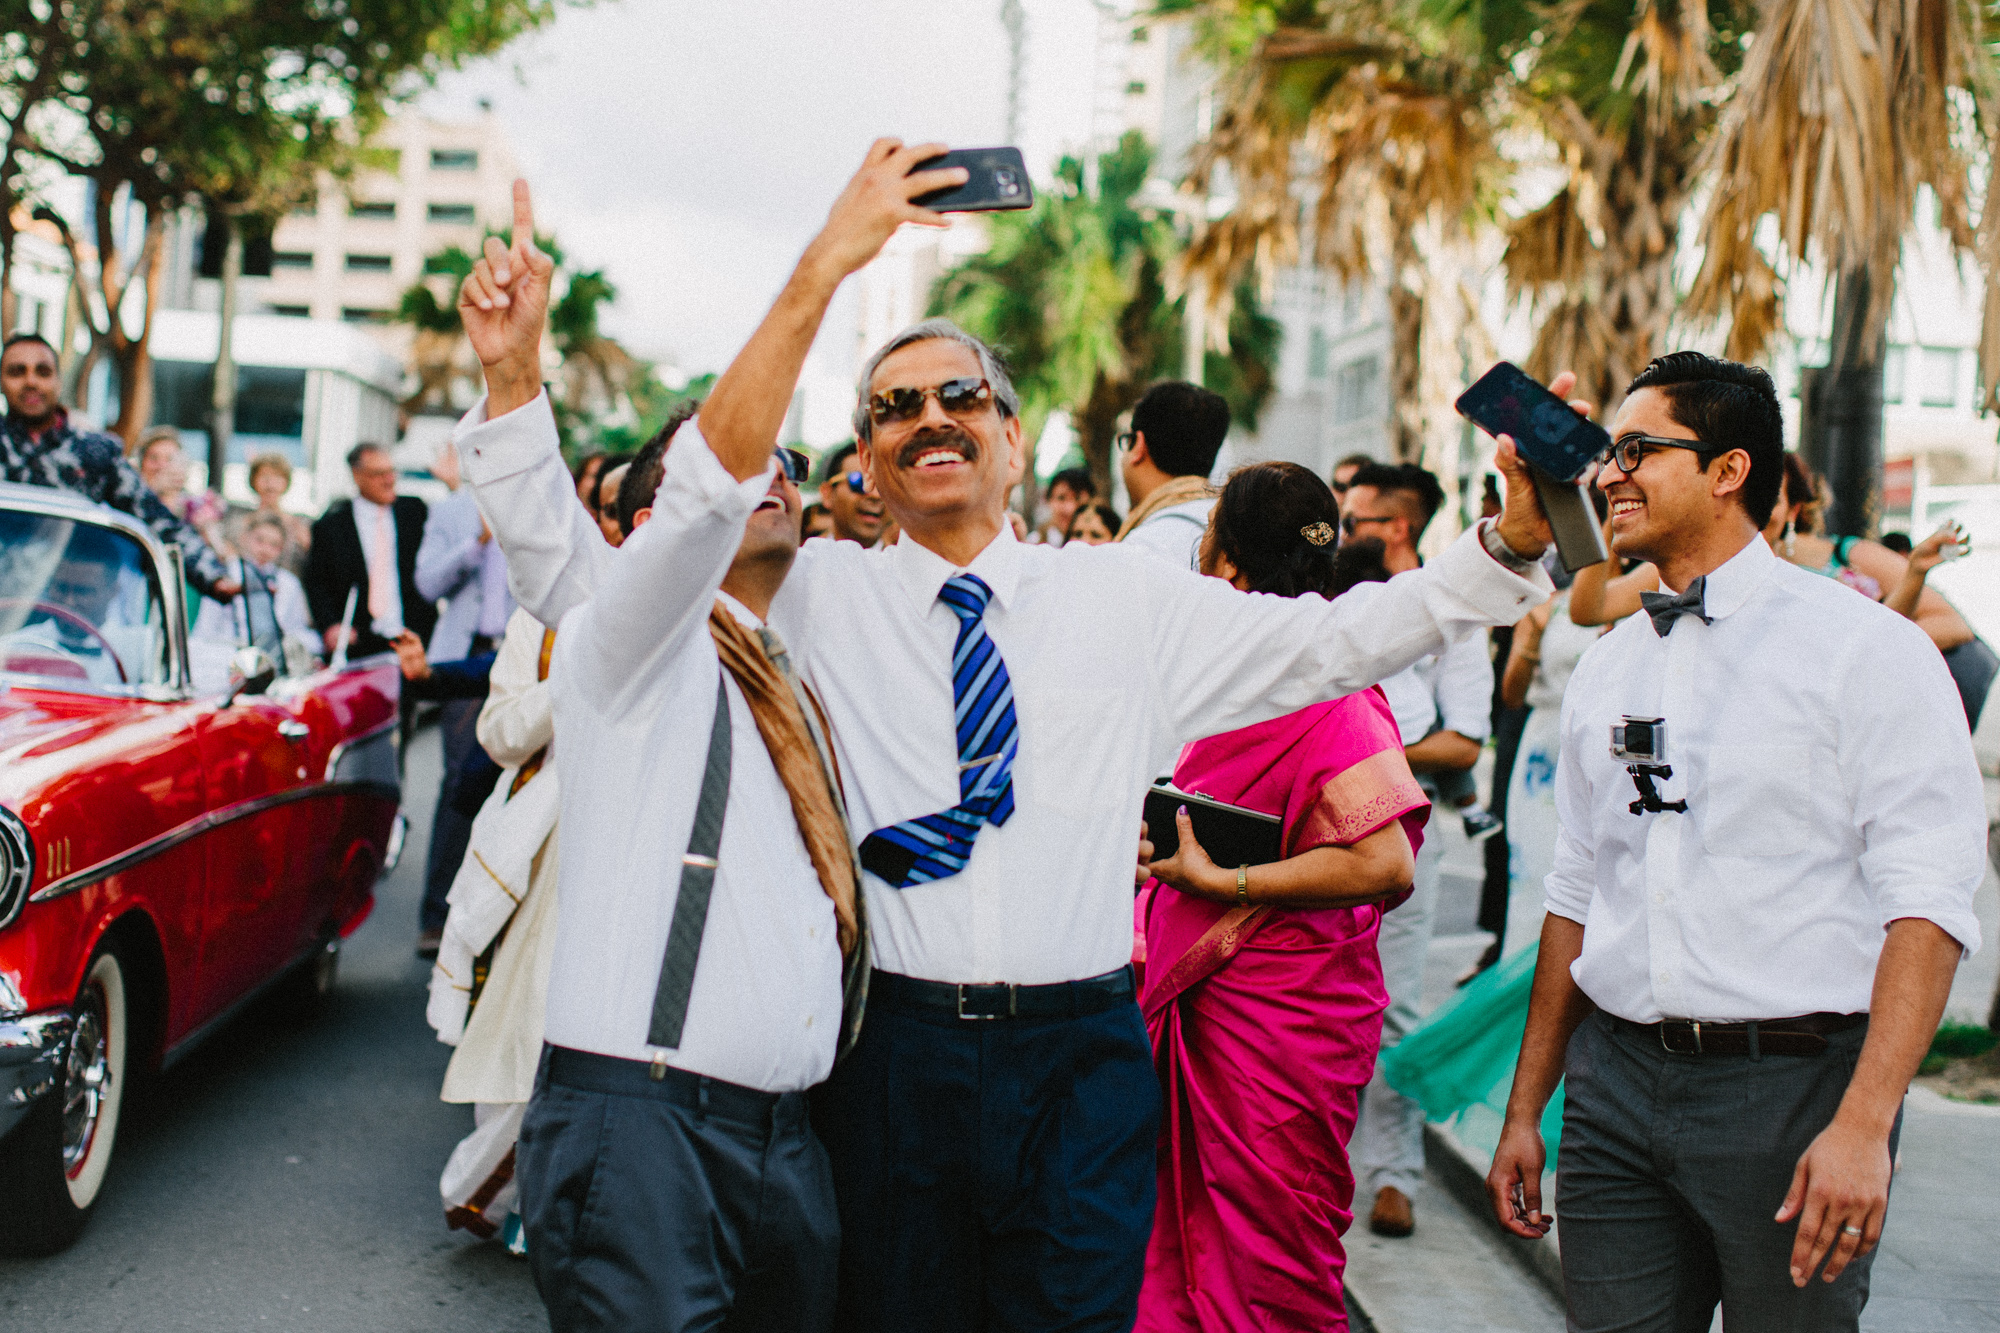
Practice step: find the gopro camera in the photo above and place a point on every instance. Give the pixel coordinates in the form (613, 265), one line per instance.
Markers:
(1639, 740)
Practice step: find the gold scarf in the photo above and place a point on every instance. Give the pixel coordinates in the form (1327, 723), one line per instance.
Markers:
(1179, 491)
(810, 776)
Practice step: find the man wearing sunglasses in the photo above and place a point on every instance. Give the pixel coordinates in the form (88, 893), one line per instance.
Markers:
(669, 1175)
(1740, 969)
(843, 489)
(993, 1131)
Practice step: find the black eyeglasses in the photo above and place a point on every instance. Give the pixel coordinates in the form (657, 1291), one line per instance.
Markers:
(961, 398)
(795, 465)
(1350, 522)
(1628, 451)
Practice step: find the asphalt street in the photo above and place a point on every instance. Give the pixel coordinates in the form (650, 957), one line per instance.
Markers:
(284, 1175)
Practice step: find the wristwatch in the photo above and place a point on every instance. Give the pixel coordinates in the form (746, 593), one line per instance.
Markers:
(1497, 547)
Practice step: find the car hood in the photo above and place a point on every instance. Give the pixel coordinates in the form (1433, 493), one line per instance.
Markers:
(46, 733)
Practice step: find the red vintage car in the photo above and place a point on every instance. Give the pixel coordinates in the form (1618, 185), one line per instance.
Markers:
(170, 848)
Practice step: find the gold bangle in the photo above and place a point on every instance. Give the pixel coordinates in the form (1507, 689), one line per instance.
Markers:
(1243, 885)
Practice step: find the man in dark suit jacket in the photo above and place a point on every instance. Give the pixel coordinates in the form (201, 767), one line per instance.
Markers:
(350, 538)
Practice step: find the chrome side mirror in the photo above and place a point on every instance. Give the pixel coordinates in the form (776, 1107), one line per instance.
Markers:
(251, 671)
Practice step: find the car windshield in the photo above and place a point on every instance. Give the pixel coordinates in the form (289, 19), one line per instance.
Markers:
(78, 602)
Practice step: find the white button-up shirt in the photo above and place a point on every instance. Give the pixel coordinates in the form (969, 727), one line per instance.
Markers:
(1116, 660)
(369, 519)
(633, 679)
(1831, 788)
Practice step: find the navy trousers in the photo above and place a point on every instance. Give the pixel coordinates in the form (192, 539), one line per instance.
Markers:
(992, 1175)
(673, 1205)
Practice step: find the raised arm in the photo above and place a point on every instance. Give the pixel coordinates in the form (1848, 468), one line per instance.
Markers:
(743, 413)
(518, 717)
(1600, 594)
(1227, 659)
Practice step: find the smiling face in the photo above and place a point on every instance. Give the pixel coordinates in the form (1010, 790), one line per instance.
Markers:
(163, 467)
(29, 378)
(1668, 500)
(270, 485)
(857, 515)
(1062, 505)
(263, 545)
(773, 530)
(938, 470)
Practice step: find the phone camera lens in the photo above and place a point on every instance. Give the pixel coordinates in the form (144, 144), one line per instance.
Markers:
(1006, 182)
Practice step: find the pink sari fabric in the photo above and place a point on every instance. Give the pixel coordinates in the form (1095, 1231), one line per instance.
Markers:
(1265, 1025)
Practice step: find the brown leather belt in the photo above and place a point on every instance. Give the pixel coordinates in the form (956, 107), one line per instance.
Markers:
(1804, 1035)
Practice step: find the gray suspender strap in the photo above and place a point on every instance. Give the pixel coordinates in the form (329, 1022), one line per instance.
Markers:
(670, 999)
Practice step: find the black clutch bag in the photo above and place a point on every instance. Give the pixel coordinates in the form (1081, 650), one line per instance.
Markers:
(1230, 834)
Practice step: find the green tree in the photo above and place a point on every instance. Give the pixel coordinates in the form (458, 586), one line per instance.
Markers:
(1074, 293)
(158, 104)
(601, 393)
(1380, 139)
(1845, 115)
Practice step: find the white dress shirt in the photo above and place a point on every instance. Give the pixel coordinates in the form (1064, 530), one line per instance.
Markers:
(1116, 660)
(1452, 689)
(1173, 534)
(518, 717)
(1831, 788)
(634, 676)
(369, 517)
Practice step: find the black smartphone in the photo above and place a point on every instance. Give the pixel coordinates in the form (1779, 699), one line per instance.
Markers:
(996, 180)
(1232, 835)
(1546, 430)
(1558, 445)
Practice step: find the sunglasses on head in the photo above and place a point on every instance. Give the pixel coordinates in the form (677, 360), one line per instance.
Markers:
(795, 465)
(960, 397)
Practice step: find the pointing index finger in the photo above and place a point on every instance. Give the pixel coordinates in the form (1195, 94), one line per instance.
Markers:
(524, 216)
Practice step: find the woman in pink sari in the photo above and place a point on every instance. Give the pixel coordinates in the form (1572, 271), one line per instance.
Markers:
(1262, 989)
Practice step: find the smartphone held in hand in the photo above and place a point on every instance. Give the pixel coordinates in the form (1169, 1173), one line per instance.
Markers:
(996, 181)
(1556, 442)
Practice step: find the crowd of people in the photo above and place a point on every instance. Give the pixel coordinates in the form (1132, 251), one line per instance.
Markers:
(803, 985)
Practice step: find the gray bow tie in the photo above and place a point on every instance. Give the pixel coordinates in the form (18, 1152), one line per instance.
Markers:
(1663, 607)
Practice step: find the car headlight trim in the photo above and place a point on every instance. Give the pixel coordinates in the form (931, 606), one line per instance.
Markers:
(17, 865)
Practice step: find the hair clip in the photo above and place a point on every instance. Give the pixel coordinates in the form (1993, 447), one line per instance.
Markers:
(1319, 534)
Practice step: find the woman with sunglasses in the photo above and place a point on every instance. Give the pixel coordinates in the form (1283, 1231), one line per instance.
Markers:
(1601, 596)
(1266, 1019)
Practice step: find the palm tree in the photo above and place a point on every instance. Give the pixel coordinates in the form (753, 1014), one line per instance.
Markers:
(1845, 112)
(1074, 292)
(1418, 119)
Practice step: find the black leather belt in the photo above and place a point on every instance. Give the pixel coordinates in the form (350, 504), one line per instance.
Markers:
(1803, 1035)
(974, 1000)
(588, 1071)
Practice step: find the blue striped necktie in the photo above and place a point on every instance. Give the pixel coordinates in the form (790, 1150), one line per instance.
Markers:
(917, 851)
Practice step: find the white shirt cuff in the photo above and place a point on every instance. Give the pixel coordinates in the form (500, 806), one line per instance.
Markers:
(513, 442)
(692, 467)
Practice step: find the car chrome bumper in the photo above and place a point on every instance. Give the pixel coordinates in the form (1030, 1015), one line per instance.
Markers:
(31, 1055)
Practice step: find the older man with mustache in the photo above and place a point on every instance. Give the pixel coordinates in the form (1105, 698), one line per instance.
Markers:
(992, 1134)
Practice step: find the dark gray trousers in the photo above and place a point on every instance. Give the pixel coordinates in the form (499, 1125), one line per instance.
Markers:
(674, 1205)
(1670, 1171)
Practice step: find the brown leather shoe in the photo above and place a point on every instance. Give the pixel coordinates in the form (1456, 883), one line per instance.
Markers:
(1393, 1215)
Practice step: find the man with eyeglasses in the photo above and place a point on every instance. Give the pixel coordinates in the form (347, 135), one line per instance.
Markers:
(843, 489)
(1344, 470)
(1443, 706)
(993, 1131)
(1741, 968)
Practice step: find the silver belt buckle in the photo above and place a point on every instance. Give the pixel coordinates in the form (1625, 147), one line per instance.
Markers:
(1694, 1026)
(963, 986)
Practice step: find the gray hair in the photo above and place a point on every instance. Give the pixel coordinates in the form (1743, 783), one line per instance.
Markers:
(990, 365)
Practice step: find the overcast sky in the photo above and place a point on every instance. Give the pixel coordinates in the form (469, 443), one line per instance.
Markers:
(691, 149)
